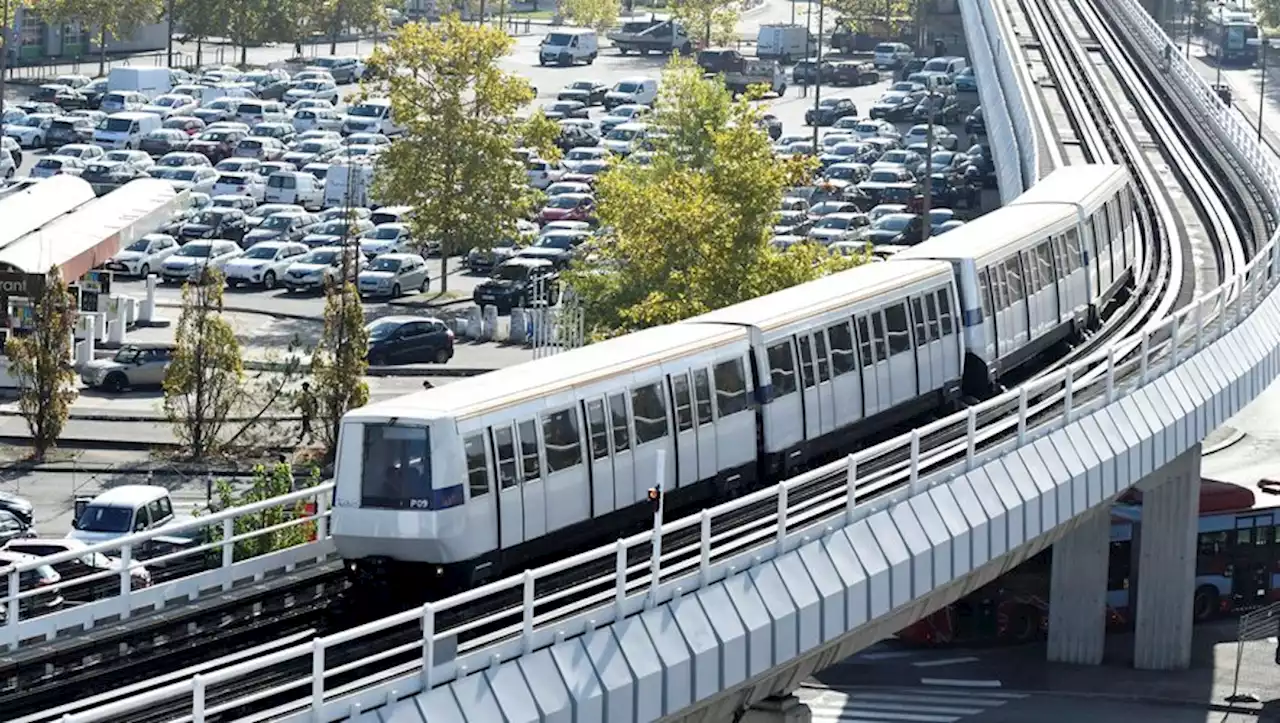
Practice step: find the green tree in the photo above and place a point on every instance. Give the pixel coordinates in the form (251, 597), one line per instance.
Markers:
(454, 164)
(41, 361)
(598, 14)
(199, 20)
(268, 482)
(539, 133)
(716, 20)
(335, 16)
(205, 380)
(338, 362)
(691, 230)
(117, 18)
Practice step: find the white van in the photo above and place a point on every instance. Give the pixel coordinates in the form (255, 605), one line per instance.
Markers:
(121, 511)
(632, 91)
(255, 111)
(297, 187)
(371, 116)
(125, 130)
(568, 46)
(151, 82)
(950, 64)
(782, 42)
(348, 184)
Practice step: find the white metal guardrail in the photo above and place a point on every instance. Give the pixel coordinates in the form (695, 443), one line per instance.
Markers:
(207, 561)
(801, 507)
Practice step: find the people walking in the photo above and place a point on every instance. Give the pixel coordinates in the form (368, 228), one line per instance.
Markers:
(306, 406)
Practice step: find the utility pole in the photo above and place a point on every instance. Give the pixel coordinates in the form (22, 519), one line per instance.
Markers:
(928, 178)
(5, 36)
(169, 36)
(1265, 42)
(817, 80)
(808, 39)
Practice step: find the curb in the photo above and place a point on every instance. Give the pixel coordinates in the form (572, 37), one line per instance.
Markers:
(1233, 438)
(112, 445)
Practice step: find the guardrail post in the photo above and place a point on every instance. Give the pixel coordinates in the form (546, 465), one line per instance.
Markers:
(851, 489)
(1240, 294)
(197, 698)
(317, 679)
(1068, 393)
(704, 548)
(527, 612)
(782, 516)
(915, 459)
(1174, 332)
(1022, 415)
(1199, 323)
(970, 444)
(321, 517)
(428, 645)
(620, 577)
(126, 582)
(1111, 375)
(13, 607)
(1146, 350)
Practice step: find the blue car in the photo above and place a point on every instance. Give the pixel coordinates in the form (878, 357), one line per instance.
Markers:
(966, 81)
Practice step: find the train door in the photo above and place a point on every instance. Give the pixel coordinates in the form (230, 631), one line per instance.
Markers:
(482, 505)
(808, 387)
(510, 496)
(950, 331)
(1005, 328)
(1062, 274)
(870, 356)
(620, 440)
(1252, 557)
(532, 488)
(784, 415)
(1050, 306)
(929, 354)
(686, 434)
(650, 414)
(1031, 279)
(986, 299)
(704, 418)
(600, 459)
(816, 371)
(846, 390)
(902, 360)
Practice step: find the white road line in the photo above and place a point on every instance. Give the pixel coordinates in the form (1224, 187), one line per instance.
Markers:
(960, 683)
(896, 705)
(929, 698)
(947, 661)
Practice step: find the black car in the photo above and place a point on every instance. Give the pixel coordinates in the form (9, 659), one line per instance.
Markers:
(829, 111)
(719, 60)
(807, 71)
(93, 93)
(409, 340)
(953, 189)
(854, 72)
(937, 107)
(68, 130)
(895, 106)
(588, 92)
(770, 123)
(105, 176)
(572, 137)
(62, 96)
(558, 247)
(164, 140)
(215, 222)
(896, 229)
(882, 177)
(908, 68)
(12, 528)
(519, 282)
(975, 124)
(19, 507)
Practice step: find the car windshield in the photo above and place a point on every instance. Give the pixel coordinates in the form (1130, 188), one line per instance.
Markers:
(511, 272)
(559, 39)
(898, 157)
(626, 87)
(50, 163)
(319, 258)
(238, 179)
(181, 174)
(367, 111)
(100, 518)
(211, 218)
(278, 223)
(829, 103)
(199, 251)
(583, 154)
(261, 252)
(896, 222)
(385, 264)
(622, 134)
(594, 167)
(139, 245)
(837, 223)
(168, 101)
(387, 233)
(565, 201)
(382, 328)
(312, 147)
(114, 125)
(555, 241)
(884, 48)
(332, 228)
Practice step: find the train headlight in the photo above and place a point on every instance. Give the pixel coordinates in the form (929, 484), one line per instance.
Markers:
(439, 571)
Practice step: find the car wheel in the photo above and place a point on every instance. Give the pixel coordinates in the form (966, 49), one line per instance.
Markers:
(269, 280)
(395, 291)
(377, 360)
(115, 383)
(441, 356)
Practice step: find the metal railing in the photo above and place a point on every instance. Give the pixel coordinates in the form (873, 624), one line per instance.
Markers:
(183, 560)
(624, 578)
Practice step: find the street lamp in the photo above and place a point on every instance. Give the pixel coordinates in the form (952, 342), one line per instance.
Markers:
(1221, 49)
(5, 35)
(1265, 43)
(817, 79)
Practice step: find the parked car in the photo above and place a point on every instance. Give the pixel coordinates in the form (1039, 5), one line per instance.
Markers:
(518, 282)
(13, 528)
(68, 129)
(320, 267)
(50, 166)
(263, 264)
(30, 131)
(385, 238)
(245, 184)
(854, 72)
(409, 339)
(260, 147)
(191, 261)
(938, 107)
(588, 92)
(144, 255)
(42, 576)
(134, 365)
(975, 123)
(331, 233)
(86, 565)
(966, 81)
(216, 144)
(214, 223)
(895, 106)
(558, 247)
(829, 111)
(392, 275)
(281, 226)
(568, 207)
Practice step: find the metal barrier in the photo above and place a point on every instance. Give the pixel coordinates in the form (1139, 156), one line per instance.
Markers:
(202, 554)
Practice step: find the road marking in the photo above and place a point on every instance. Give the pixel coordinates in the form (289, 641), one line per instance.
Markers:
(886, 655)
(961, 683)
(896, 705)
(947, 661)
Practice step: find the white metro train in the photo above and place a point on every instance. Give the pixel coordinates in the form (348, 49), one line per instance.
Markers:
(491, 474)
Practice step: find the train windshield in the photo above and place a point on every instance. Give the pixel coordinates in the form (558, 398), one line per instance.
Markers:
(396, 468)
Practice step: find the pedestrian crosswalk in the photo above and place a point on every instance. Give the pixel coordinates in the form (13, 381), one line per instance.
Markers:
(925, 704)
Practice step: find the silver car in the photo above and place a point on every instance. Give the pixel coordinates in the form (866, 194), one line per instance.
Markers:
(135, 365)
(392, 275)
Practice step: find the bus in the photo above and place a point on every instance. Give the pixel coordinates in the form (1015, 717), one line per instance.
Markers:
(1237, 569)
(1227, 35)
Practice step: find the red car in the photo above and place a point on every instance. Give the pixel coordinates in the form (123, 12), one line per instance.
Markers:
(216, 144)
(568, 207)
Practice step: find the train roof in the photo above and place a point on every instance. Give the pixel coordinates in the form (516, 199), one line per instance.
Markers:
(1045, 204)
(548, 377)
(814, 298)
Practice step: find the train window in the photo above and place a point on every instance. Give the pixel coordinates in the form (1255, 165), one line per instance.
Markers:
(1074, 258)
(597, 429)
(505, 444)
(842, 359)
(684, 405)
(806, 362)
(895, 317)
(1059, 249)
(397, 469)
(560, 437)
(477, 465)
(1014, 277)
(650, 413)
(618, 414)
(864, 343)
(820, 355)
(702, 396)
(917, 316)
(1000, 291)
(530, 464)
(1030, 271)
(984, 293)
(944, 311)
(878, 336)
(782, 369)
(931, 309)
(731, 387)
(1046, 263)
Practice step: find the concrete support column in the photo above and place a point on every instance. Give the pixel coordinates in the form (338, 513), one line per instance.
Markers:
(1167, 564)
(1078, 596)
(778, 709)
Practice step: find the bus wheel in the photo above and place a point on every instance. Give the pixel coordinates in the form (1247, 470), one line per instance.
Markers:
(1205, 604)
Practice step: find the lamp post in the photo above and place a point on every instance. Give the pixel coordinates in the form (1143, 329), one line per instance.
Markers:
(5, 35)
(1190, 20)
(1264, 44)
(817, 80)
(1221, 49)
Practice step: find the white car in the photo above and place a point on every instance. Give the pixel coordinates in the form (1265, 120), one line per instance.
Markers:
(837, 227)
(263, 264)
(171, 104)
(138, 159)
(195, 179)
(183, 159)
(624, 139)
(385, 238)
(143, 255)
(243, 184)
(877, 128)
(542, 173)
(84, 151)
(579, 156)
(50, 166)
(320, 267)
(190, 262)
(316, 119)
(267, 210)
(628, 113)
(308, 89)
(311, 73)
(123, 101)
(942, 136)
(239, 165)
(30, 131)
(366, 139)
(7, 167)
(219, 110)
(392, 275)
(306, 103)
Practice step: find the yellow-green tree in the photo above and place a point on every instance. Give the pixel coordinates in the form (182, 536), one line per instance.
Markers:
(205, 380)
(598, 14)
(714, 20)
(117, 18)
(41, 361)
(268, 482)
(338, 362)
(454, 164)
(691, 230)
(335, 16)
(539, 133)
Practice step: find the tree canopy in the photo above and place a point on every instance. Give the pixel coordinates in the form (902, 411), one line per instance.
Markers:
(714, 21)
(118, 18)
(41, 361)
(598, 14)
(690, 230)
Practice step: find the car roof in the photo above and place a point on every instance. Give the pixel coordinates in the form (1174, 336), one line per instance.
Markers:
(131, 495)
(526, 261)
(400, 256)
(68, 542)
(405, 319)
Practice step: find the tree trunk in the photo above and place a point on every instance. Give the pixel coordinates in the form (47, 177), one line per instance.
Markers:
(199, 52)
(706, 40)
(444, 270)
(244, 53)
(102, 52)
